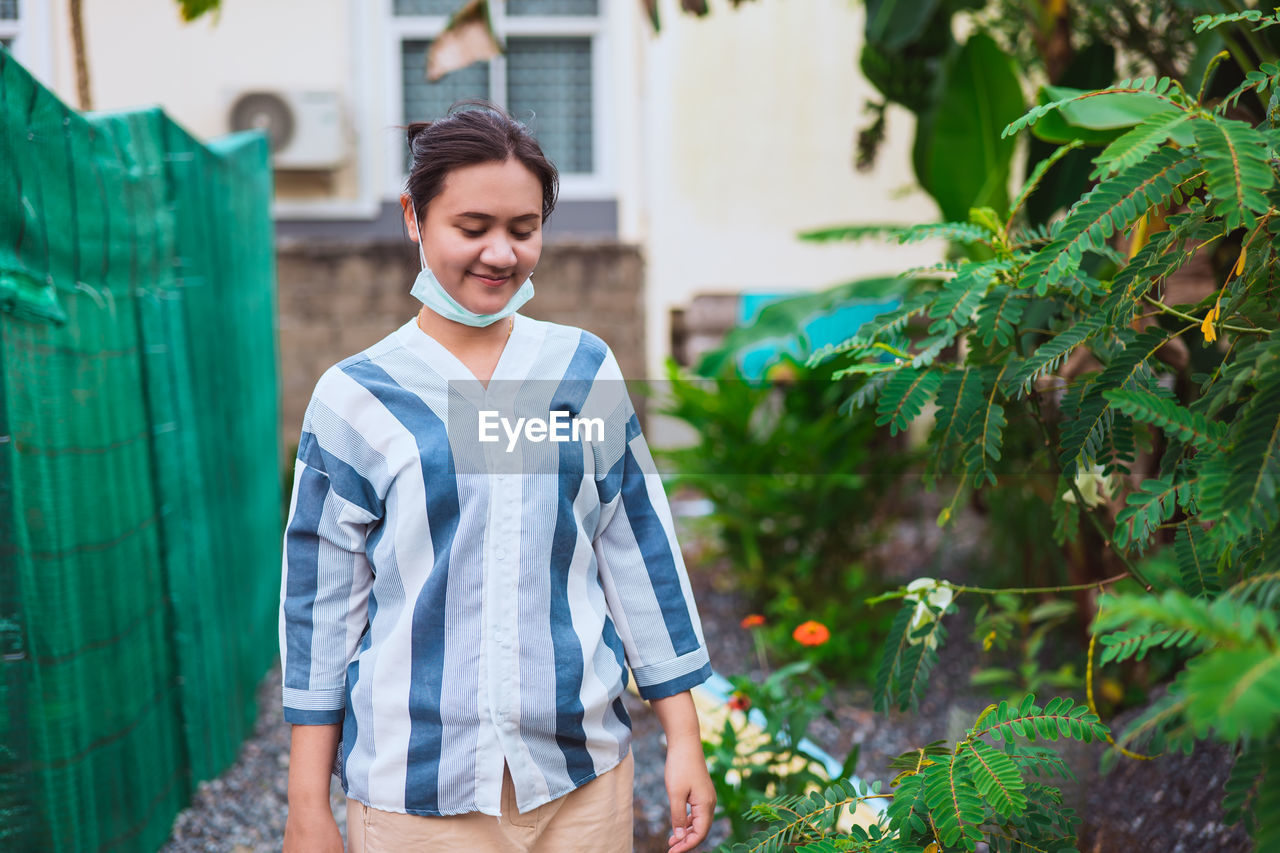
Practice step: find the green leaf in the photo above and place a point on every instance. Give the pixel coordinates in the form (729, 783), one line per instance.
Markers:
(1140, 142)
(998, 313)
(1240, 486)
(904, 396)
(1146, 508)
(997, 778)
(953, 802)
(1051, 353)
(980, 95)
(1178, 422)
(1123, 105)
(1198, 570)
(960, 396)
(894, 24)
(960, 296)
(1235, 157)
(1234, 691)
(1086, 431)
(1109, 207)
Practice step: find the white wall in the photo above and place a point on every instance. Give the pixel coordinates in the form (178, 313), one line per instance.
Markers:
(750, 117)
(142, 53)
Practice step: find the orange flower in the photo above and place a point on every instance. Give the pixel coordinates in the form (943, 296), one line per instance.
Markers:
(755, 620)
(738, 702)
(811, 634)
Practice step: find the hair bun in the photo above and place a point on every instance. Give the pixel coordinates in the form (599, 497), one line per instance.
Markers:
(414, 128)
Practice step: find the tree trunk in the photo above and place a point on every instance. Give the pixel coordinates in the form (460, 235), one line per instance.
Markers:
(81, 57)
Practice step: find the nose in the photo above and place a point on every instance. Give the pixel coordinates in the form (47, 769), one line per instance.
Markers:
(498, 252)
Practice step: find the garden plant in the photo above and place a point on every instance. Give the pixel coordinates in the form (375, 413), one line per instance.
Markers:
(1155, 430)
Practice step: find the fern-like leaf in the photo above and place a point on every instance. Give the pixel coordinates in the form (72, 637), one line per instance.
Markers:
(953, 802)
(1178, 422)
(896, 645)
(960, 297)
(1266, 836)
(1051, 353)
(1119, 646)
(1235, 157)
(1060, 718)
(904, 396)
(1240, 486)
(997, 779)
(1209, 22)
(1197, 568)
(1242, 788)
(1107, 208)
(1149, 85)
(1139, 142)
(1084, 435)
(1234, 691)
(960, 396)
(1260, 80)
(988, 440)
(999, 312)
(1146, 508)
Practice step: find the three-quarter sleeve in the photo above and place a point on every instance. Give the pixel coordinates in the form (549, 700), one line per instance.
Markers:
(641, 568)
(326, 574)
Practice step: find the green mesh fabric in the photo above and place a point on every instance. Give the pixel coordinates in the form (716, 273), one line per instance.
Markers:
(140, 503)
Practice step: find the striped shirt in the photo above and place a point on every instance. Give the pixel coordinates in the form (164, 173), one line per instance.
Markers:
(458, 602)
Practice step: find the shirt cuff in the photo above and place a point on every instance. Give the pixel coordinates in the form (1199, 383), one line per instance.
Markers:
(314, 707)
(660, 680)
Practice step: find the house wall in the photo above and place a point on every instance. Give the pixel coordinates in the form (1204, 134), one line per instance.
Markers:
(750, 118)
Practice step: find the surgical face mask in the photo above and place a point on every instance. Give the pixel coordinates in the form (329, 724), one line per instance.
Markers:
(430, 292)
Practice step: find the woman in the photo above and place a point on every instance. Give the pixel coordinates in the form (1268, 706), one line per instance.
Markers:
(458, 600)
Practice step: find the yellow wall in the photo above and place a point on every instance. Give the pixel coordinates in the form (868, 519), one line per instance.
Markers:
(750, 122)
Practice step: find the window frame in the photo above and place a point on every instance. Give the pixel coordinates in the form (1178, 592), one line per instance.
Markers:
(29, 38)
(597, 184)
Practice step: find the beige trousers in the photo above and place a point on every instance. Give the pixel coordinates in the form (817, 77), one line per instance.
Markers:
(595, 818)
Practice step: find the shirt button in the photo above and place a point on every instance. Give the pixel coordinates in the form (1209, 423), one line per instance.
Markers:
(502, 554)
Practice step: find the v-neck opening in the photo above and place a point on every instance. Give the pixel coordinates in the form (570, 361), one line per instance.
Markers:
(431, 349)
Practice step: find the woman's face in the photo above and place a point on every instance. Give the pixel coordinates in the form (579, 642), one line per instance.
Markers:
(482, 235)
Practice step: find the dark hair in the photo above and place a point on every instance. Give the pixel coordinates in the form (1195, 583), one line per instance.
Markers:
(473, 132)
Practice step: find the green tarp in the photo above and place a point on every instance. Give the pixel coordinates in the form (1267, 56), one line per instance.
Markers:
(140, 479)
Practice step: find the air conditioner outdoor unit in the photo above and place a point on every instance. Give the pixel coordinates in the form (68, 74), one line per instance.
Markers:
(305, 129)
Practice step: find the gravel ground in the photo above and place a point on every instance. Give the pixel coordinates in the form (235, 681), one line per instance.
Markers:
(1172, 804)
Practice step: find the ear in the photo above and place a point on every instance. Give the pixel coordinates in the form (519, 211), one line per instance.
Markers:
(407, 209)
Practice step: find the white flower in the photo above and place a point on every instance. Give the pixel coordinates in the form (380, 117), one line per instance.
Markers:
(932, 597)
(1094, 487)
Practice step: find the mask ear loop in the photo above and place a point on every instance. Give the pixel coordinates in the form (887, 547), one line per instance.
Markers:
(417, 226)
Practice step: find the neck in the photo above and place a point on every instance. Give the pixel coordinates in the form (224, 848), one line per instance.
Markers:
(456, 336)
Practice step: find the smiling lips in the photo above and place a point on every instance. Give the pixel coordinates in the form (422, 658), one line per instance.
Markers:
(491, 281)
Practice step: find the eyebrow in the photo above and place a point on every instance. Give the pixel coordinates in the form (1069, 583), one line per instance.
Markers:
(488, 217)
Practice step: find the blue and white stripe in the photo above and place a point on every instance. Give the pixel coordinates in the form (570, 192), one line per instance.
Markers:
(456, 606)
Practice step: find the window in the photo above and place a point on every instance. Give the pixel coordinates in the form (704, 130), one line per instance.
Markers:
(549, 77)
(9, 22)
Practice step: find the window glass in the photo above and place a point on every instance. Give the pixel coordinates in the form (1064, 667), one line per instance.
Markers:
(549, 89)
(9, 10)
(424, 7)
(553, 7)
(424, 101)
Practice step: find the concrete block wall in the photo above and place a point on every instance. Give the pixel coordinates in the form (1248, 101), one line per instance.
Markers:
(337, 299)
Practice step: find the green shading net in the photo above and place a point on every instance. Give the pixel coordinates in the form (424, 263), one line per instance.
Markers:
(140, 495)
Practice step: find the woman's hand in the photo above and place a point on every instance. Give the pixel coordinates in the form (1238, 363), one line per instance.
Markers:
(688, 784)
(689, 788)
(311, 830)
